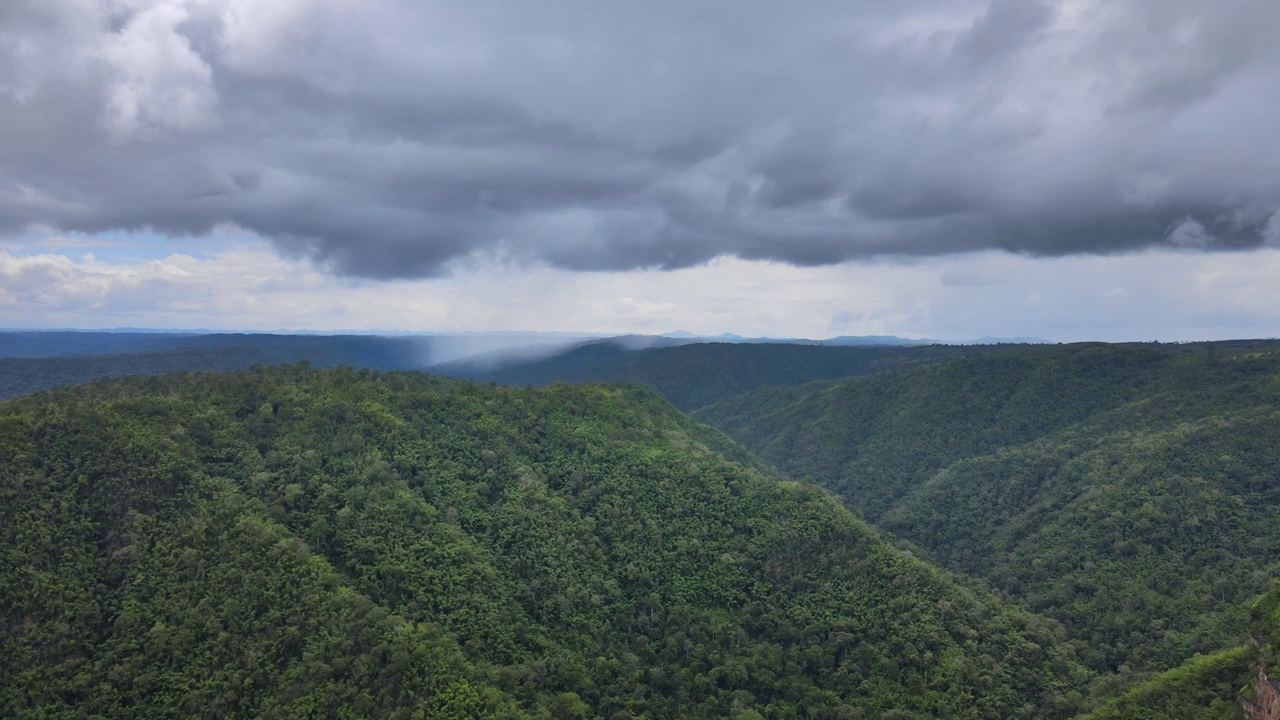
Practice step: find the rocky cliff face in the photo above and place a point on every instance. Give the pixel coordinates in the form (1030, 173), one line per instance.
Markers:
(1266, 699)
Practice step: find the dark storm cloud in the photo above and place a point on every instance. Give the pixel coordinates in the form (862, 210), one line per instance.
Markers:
(390, 139)
(1005, 26)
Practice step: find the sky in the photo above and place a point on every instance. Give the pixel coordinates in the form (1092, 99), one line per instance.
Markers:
(952, 169)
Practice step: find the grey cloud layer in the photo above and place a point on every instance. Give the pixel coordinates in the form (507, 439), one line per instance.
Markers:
(389, 139)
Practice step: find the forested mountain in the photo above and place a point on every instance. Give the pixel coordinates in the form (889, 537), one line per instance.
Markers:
(294, 542)
(687, 371)
(1133, 493)
(1208, 687)
(372, 351)
(693, 375)
(34, 361)
(70, 343)
(690, 378)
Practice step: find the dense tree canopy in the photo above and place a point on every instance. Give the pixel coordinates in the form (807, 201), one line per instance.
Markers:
(693, 375)
(1131, 493)
(1208, 687)
(296, 542)
(302, 543)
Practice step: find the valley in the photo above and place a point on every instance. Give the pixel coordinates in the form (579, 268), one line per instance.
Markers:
(969, 532)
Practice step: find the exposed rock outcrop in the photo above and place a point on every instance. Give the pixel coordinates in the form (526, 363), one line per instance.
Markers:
(1265, 704)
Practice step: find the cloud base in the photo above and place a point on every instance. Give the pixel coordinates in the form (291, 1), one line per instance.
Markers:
(391, 140)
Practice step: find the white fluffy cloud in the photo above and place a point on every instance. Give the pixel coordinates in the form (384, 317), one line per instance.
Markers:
(243, 284)
(158, 82)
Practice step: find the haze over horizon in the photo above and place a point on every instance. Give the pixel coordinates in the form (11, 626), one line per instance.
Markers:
(1066, 169)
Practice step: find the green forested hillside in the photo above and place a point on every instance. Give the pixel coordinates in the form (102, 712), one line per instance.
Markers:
(1129, 492)
(1208, 687)
(303, 543)
(1151, 539)
(34, 361)
(874, 438)
(693, 375)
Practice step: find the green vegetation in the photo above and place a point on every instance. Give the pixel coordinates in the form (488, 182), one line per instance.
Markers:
(300, 543)
(34, 361)
(692, 376)
(875, 438)
(1129, 492)
(294, 542)
(1149, 542)
(1208, 687)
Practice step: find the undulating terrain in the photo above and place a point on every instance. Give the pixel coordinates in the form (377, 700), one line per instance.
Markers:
(34, 361)
(691, 375)
(295, 542)
(1131, 493)
(1045, 532)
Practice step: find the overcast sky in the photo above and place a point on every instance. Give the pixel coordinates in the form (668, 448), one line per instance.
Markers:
(949, 169)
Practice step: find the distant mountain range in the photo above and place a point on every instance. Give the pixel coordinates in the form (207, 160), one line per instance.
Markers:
(36, 360)
(853, 340)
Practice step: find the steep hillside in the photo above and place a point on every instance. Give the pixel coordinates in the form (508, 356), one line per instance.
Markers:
(1210, 687)
(1149, 538)
(1129, 492)
(872, 439)
(294, 542)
